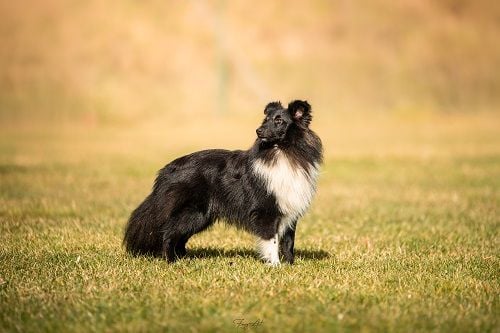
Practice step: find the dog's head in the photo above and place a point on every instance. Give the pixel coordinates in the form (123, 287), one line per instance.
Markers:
(279, 121)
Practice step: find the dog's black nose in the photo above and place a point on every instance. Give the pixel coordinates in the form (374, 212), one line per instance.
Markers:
(259, 132)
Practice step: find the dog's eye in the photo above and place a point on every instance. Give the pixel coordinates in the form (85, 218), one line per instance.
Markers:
(278, 121)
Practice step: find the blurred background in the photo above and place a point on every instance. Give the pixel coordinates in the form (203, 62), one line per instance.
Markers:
(383, 77)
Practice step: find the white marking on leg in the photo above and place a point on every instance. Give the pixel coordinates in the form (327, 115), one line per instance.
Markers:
(269, 250)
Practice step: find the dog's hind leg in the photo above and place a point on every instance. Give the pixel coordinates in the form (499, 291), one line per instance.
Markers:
(174, 248)
(180, 247)
(168, 249)
(185, 225)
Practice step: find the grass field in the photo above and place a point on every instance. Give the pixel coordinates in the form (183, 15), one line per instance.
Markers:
(403, 235)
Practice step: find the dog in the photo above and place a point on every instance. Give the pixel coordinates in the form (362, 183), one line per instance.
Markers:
(263, 190)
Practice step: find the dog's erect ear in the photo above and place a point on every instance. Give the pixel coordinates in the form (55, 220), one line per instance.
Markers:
(300, 112)
(273, 106)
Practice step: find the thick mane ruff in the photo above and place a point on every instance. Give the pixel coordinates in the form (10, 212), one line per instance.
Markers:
(290, 172)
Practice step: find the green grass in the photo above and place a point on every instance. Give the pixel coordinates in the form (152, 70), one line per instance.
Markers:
(402, 236)
(395, 242)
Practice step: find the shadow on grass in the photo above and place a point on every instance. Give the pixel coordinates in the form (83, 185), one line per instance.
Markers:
(211, 252)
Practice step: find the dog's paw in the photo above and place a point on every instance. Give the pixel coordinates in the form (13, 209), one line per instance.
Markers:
(273, 263)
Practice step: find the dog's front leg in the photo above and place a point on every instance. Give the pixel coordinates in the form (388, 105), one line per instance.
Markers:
(286, 243)
(269, 249)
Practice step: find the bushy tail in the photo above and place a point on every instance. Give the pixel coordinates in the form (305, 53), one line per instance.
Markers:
(143, 234)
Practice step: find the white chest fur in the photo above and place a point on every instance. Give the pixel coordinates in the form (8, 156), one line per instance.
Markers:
(292, 186)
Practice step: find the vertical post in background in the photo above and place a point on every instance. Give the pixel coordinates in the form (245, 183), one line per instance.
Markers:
(222, 58)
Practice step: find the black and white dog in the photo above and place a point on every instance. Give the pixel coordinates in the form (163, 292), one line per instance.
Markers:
(263, 190)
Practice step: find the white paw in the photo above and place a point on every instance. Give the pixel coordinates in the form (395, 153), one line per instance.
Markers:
(269, 251)
(273, 263)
